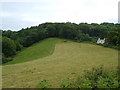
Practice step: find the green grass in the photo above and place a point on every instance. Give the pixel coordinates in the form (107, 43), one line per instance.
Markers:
(66, 60)
(38, 50)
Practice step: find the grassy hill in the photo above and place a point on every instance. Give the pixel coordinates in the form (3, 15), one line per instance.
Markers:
(54, 60)
(38, 50)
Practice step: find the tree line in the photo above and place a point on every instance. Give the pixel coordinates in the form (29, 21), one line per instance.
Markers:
(13, 41)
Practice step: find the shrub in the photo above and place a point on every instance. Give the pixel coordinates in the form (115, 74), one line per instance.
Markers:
(65, 41)
(67, 83)
(44, 84)
(96, 78)
(111, 46)
(18, 46)
(6, 59)
(8, 47)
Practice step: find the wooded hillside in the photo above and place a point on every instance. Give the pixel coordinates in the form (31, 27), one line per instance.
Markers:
(77, 32)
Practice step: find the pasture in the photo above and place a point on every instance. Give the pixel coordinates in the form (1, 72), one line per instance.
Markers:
(55, 60)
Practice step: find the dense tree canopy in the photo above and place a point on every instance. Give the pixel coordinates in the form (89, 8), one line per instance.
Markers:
(68, 30)
(82, 32)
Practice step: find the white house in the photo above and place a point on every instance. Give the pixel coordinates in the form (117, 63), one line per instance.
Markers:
(100, 41)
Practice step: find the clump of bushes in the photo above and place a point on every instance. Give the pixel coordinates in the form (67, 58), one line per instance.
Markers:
(9, 48)
(6, 59)
(95, 78)
(110, 46)
(98, 78)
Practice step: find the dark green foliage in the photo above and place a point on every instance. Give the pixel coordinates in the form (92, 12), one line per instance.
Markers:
(10, 34)
(111, 46)
(6, 59)
(68, 31)
(51, 30)
(18, 46)
(113, 37)
(8, 47)
(78, 32)
(96, 78)
(84, 37)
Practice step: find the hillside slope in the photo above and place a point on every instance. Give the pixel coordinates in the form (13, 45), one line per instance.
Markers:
(38, 50)
(68, 60)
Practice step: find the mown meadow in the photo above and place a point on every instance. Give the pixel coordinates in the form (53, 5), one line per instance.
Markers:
(55, 61)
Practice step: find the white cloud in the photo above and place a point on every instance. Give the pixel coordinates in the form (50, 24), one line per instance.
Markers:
(78, 10)
(40, 11)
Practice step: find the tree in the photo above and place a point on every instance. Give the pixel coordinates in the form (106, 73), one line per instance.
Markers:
(68, 30)
(113, 38)
(10, 34)
(8, 47)
(18, 46)
(52, 32)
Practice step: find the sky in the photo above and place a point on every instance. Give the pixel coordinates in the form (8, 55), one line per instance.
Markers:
(18, 14)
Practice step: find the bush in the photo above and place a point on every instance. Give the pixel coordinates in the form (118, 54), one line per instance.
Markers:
(111, 46)
(8, 47)
(67, 83)
(85, 37)
(18, 46)
(96, 78)
(44, 84)
(65, 41)
(6, 59)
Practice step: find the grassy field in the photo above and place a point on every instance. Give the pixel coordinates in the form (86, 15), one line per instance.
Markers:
(38, 50)
(55, 63)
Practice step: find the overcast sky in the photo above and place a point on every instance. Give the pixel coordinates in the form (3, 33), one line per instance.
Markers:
(18, 14)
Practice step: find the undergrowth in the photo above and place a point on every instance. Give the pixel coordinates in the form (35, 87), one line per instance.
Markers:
(95, 78)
